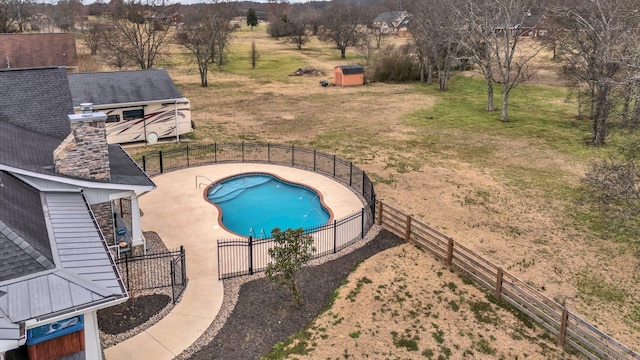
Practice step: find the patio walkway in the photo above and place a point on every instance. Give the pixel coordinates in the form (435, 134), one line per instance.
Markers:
(178, 212)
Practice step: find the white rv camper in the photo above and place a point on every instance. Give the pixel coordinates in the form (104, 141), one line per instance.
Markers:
(142, 105)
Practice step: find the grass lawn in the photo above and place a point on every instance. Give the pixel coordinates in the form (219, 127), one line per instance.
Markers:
(509, 191)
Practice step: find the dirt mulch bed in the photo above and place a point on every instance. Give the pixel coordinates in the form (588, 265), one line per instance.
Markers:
(134, 312)
(265, 314)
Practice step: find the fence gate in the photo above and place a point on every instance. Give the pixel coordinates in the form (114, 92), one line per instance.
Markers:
(154, 271)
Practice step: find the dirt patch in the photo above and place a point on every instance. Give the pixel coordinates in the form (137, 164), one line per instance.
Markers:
(411, 306)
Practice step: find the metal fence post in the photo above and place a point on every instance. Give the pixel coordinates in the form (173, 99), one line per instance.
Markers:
(314, 160)
(363, 182)
(350, 173)
(187, 155)
(362, 224)
(215, 152)
(293, 157)
(126, 265)
(183, 263)
(250, 255)
(173, 283)
(334, 235)
(269, 153)
(334, 166)
(160, 156)
(144, 163)
(243, 151)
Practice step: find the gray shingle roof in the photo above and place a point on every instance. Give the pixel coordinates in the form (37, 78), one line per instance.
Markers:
(37, 100)
(34, 120)
(120, 87)
(388, 16)
(24, 241)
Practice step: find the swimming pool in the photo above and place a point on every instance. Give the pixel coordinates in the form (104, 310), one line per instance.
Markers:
(255, 203)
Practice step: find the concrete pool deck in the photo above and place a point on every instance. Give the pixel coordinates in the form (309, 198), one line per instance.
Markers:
(178, 212)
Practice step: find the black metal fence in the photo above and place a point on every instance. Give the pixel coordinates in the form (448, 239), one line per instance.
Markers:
(155, 270)
(244, 256)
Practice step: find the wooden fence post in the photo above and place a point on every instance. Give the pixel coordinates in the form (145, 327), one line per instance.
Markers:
(407, 229)
(562, 336)
(499, 283)
(380, 214)
(450, 252)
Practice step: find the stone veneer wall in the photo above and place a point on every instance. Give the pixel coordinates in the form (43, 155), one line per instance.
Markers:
(104, 217)
(84, 153)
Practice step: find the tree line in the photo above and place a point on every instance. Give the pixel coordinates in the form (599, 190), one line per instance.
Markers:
(595, 39)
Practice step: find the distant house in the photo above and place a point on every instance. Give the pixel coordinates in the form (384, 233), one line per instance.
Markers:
(533, 26)
(391, 22)
(346, 75)
(60, 183)
(33, 50)
(141, 105)
(529, 25)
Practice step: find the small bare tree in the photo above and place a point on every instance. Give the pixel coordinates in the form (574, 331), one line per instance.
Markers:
(341, 21)
(141, 30)
(254, 55)
(494, 33)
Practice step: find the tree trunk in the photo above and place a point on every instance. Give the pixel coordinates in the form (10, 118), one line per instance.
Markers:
(203, 76)
(504, 116)
(430, 74)
(343, 52)
(488, 76)
(601, 114)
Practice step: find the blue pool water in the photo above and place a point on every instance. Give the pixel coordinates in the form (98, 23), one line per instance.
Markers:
(262, 202)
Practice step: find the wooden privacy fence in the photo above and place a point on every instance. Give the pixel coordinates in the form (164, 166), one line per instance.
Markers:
(569, 328)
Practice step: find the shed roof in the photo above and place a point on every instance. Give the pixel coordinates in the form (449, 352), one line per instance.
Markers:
(31, 50)
(101, 88)
(351, 69)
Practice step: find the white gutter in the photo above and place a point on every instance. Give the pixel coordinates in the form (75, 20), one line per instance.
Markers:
(77, 182)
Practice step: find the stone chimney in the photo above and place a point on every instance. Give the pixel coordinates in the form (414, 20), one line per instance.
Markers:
(84, 153)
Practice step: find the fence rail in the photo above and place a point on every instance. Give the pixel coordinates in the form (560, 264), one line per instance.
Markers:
(569, 328)
(155, 270)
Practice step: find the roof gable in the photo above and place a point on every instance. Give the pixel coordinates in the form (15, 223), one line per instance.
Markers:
(101, 88)
(31, 50)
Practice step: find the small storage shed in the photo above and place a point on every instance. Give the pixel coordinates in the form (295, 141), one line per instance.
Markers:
(348, 75)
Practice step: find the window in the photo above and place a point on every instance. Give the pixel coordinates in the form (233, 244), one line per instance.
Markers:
(132, 114)
(113, 118)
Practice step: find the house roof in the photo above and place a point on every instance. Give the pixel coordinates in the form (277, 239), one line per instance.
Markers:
(84, 274)
(24, 241)
(351, 69)
(31, 50)
(389, 16)
(34, 121)
(120, 87)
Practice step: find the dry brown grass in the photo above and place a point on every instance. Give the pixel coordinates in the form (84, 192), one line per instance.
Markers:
(521, 227)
